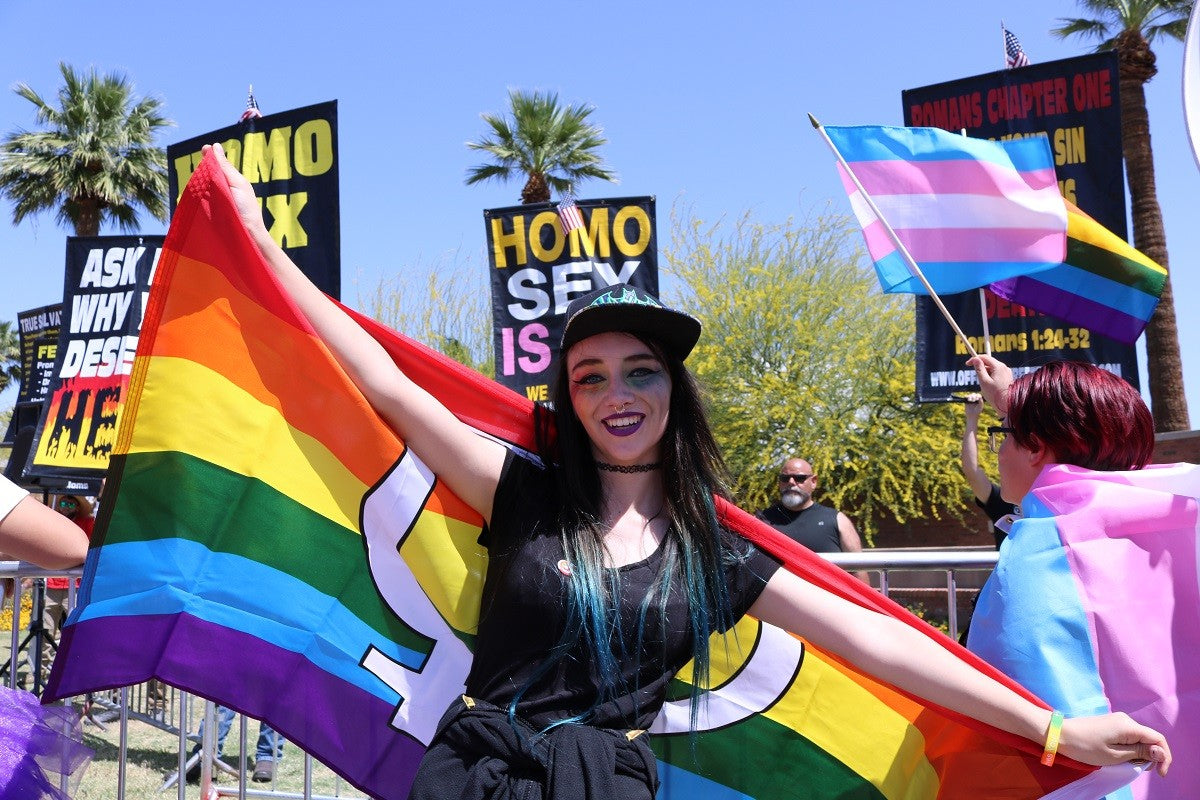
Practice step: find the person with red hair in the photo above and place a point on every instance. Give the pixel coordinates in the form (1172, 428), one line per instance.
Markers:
(1105, 550)
(1066, 412)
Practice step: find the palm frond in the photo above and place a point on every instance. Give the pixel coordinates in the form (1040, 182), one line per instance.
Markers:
(97, 147)
(541, 137)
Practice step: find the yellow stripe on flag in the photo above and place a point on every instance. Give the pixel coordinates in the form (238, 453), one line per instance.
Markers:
(1087, 230)
(247, 438)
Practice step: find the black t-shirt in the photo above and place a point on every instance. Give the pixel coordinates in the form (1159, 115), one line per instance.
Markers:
(524, 606)
(814, 527)
(995, 508)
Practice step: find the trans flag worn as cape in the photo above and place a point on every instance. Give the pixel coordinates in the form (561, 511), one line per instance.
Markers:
(1095, 605)
(275, 547)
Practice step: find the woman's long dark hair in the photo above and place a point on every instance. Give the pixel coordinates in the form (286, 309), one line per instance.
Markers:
(693, 471)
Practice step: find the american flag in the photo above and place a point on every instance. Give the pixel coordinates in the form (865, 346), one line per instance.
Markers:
(251, 111)
(569, 215)
(1014, 55)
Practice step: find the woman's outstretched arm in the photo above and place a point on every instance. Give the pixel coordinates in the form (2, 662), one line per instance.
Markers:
(910, 660)
(30, 531)
(468, 463)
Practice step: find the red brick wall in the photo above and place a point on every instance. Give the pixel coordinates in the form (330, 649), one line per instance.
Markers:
(1181, 446)
(929, 532)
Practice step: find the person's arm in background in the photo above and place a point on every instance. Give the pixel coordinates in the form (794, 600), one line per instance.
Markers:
(30, 531)
(851, 542)
(980, 483)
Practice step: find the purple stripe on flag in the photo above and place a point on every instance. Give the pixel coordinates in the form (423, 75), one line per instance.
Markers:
(967, 244)
(949, 177)
(334, 721)
(1103, 319)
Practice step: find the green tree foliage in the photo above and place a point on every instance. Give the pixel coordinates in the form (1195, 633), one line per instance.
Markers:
(551, 146)
(1129, 27)
(449, 310)
(94, 160)
(10, 355)
(802, 355)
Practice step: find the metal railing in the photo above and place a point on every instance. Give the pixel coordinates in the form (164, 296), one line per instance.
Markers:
(178, 713)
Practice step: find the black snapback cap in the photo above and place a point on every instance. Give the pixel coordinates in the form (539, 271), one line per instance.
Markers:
(622, 308)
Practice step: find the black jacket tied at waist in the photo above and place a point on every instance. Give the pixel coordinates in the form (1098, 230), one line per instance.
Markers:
(478, 754)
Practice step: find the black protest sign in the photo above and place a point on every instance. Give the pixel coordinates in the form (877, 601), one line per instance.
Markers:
(537, 270)
(38, 331)
(106, 282)
(1075, 103)
(291, 158)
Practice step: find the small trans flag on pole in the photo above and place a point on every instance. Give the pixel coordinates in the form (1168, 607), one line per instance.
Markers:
(967, 211)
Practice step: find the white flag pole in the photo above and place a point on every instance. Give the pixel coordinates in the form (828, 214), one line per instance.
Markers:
(987, 335)
(899, 245)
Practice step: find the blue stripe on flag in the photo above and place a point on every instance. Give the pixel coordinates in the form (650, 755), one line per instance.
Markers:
(275, 607)
(947, 277)
(882, 143)
(678, 782)
(1126, 299)
(1059, 661)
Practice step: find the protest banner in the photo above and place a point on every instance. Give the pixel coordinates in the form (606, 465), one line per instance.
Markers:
(291, 158)
(1074, 102)
(537, 269)
(105, 285)
(38, 332)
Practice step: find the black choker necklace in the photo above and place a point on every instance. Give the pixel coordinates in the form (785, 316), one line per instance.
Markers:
(628, 470)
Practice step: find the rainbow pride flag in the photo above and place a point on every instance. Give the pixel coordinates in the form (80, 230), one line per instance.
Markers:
(969, 211)
(274, 546)
(1103, 284)
(1106, 563)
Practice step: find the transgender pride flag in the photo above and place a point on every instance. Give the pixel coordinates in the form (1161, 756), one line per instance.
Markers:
(970, 212)
(1095, 605)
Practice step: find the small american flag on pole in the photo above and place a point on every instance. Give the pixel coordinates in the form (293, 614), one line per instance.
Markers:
(569, 215)
(251, 111)
(1014, 54)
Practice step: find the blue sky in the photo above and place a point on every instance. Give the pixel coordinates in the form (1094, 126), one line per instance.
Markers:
(704, 105)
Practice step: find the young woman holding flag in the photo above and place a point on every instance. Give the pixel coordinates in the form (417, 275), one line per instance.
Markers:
(608, 570)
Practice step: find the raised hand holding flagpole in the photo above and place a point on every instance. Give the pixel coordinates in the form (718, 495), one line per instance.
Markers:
(899, 245)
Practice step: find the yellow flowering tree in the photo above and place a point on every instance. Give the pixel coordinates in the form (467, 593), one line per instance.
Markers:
(803, 355)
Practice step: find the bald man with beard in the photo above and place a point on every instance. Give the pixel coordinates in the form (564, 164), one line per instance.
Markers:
(818, 527)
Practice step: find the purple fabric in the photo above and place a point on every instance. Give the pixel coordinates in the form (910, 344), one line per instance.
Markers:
(1067, 305)
(343, 726)
(41, 748)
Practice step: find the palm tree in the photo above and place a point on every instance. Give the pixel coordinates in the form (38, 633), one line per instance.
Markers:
(10, 355)
(1129, 26)
(94, 161)
(552, 146)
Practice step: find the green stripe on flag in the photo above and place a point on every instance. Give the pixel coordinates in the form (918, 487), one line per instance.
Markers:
(1107, 264)
(173, 495)
(748, 758)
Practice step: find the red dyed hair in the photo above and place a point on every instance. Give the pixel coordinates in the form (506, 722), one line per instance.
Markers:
(1085, 415)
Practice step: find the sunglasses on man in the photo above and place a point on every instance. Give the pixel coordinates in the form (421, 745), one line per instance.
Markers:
(798, 477)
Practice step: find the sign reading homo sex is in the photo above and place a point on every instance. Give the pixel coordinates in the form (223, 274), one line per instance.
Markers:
(537, 270)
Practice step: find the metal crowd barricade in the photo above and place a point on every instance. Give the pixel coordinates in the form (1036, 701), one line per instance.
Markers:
(977, 562)
(177, 712)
